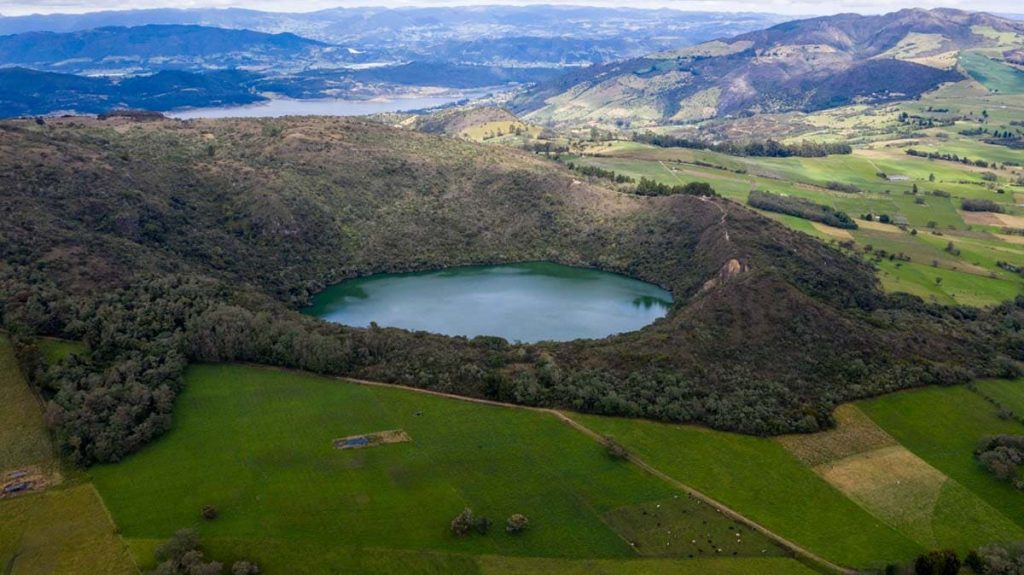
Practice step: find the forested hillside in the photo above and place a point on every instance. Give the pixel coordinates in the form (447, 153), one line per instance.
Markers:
(166, 242)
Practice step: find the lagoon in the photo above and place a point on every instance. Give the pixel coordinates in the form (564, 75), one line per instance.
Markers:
(525, 302)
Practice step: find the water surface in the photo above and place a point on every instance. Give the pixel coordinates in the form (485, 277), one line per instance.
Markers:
(278, 107)
(520, 302)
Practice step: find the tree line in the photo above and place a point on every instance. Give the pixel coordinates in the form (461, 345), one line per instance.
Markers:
(768, 148)
(800, 208)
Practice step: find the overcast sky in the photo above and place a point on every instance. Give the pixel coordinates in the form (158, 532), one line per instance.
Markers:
(20, 7)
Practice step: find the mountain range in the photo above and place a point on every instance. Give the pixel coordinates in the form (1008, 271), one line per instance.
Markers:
(493, 35)
(800, 65)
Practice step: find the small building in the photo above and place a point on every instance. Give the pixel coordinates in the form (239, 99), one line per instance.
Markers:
(898, 178)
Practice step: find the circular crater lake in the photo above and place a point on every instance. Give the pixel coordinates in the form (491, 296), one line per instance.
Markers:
(526, 302)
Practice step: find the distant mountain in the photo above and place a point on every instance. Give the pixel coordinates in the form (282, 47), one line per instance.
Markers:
(118, 49)
(494, 35)
(800, 65)
(26, 92)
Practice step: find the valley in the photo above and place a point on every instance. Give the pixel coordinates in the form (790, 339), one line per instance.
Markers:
(617, 291)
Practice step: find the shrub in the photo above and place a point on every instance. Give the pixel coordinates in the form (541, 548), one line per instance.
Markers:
(937, 563)
(516, 523)
(245, 568)
(209, 512)
(463, 523)
(1001, 559)
(615, 449)
(1001, 455)
(482, 525)
(981, 206)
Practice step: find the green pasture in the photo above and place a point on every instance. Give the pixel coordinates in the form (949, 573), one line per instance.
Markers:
(1008, 392)
(942, 426)
(995, 76)
(762, 480)
(257, 445)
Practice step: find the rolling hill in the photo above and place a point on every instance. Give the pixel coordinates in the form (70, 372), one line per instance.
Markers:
(492, 35)
(800, 65)
(119, 49)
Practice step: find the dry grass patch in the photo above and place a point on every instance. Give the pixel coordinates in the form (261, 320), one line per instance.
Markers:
(61, 531)
(879, 227)
(992, 219)
(854, 433)
(1010, 238)
(837, 233)
(892, 484)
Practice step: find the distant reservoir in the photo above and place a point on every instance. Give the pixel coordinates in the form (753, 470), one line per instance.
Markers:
(278, 107)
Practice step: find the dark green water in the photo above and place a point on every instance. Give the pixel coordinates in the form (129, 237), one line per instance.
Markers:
(520, 302)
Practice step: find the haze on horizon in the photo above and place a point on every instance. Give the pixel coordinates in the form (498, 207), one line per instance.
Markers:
(790, 7)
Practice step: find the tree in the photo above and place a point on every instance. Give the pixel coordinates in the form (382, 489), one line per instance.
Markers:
(516, 523)
(931, 177)
(615, 449)
(482, 525)
(463, 523)
(937, 563)
(1001, 559)
(183, 541)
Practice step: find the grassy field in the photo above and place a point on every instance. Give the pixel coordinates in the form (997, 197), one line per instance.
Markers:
(1008, 392)
(23, 437)
(761, 479)
(942, 427)
(61, 531)
(64, 529)
(995, 76)
(257, 444)
(970, 276)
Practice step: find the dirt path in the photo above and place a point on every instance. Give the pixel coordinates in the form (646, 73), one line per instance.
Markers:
(793, 547)
(721, 210)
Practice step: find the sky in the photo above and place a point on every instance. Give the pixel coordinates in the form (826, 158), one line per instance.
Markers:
(794, 7)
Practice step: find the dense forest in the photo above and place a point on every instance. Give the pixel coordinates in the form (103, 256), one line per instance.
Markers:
(164, 242)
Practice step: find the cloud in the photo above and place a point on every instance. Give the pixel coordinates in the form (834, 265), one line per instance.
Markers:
(12, 8)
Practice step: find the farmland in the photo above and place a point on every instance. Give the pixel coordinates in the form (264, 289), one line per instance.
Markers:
(920, 197)
(257, 445)
(64, 530)
(252, 442)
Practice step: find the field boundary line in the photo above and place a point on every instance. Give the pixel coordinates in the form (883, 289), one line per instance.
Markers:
(791, 546)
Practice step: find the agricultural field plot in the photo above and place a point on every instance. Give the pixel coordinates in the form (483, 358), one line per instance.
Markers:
(970, 277)
(24, 441)
(64, 529)
(867, 465)
(761, 479)
(741, 566)
(1010, 393)
(686, 527)
(256, 444)
(942, 426)
(995, 76)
